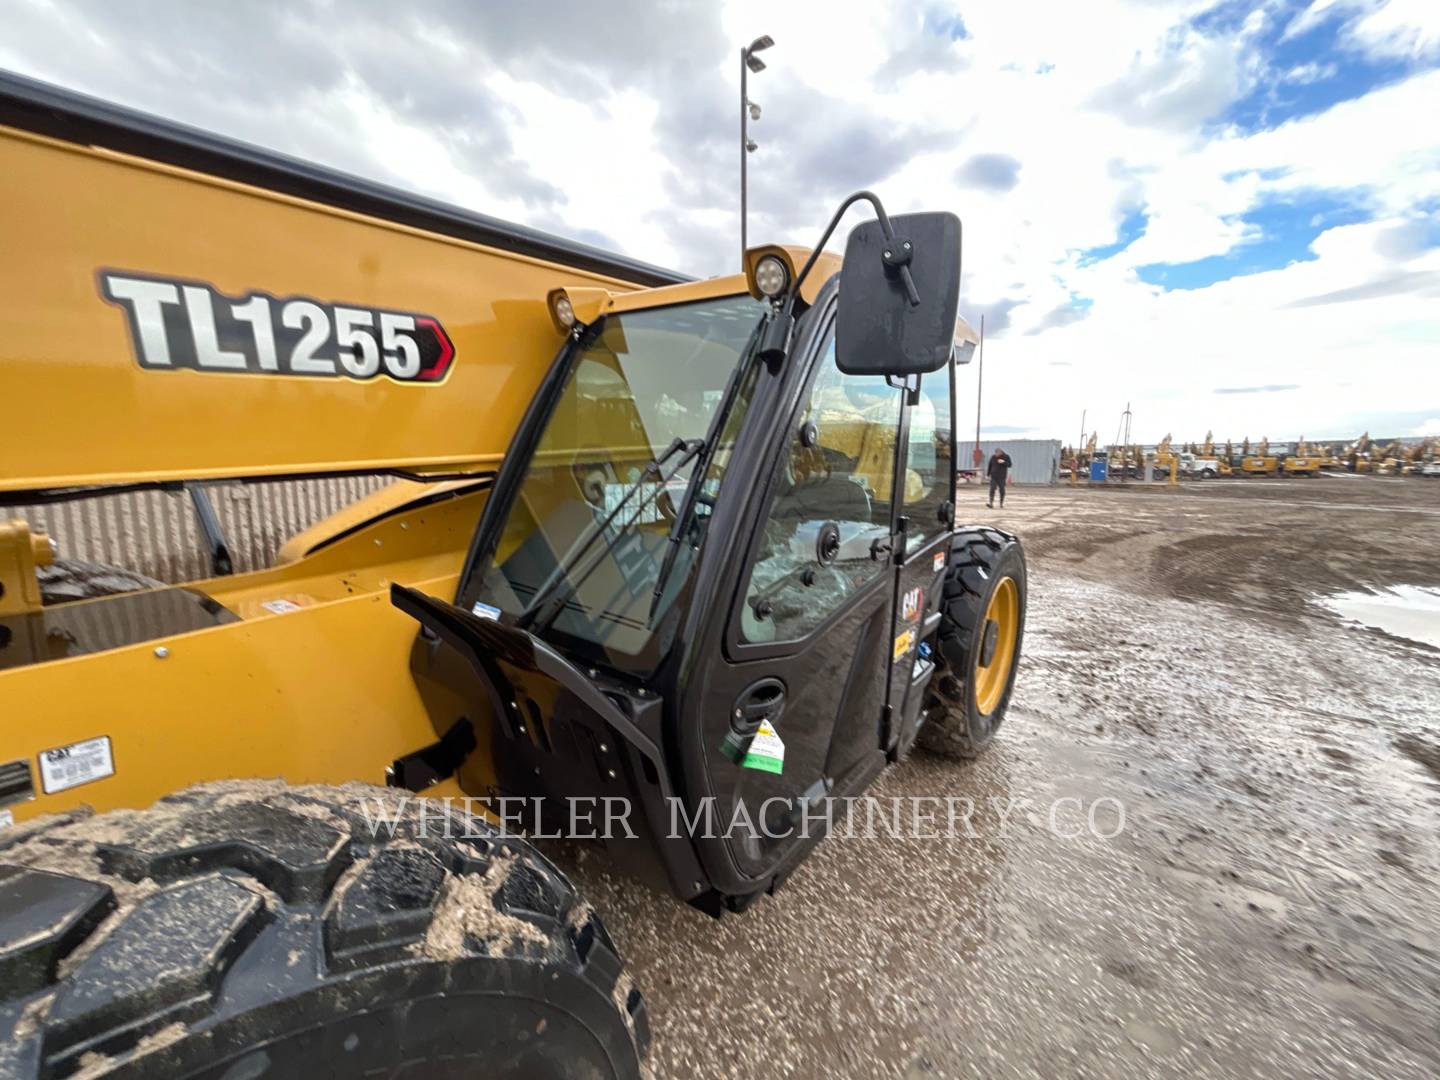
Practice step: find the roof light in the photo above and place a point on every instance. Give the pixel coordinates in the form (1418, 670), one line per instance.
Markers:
(771, 276)
(564, 311)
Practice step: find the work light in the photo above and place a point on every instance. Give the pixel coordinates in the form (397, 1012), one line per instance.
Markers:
(770, 276)
(564, 311)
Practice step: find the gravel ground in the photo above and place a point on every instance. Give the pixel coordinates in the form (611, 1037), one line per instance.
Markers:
(1269, 907)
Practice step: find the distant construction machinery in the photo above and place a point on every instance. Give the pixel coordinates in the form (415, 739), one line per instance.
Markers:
(1302, 458)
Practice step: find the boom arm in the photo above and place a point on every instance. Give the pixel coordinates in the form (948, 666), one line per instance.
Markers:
(166, 324)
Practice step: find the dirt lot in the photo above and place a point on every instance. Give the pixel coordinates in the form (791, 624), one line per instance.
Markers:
(1271, 906)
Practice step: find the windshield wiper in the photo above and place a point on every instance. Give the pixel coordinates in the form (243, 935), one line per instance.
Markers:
(559, 587)
(697, 479)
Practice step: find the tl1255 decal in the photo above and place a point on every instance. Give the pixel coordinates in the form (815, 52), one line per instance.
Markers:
(177, 324)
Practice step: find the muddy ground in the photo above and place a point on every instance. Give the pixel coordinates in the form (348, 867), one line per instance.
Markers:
(1272, 905)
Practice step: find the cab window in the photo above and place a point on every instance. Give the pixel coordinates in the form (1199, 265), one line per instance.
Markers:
(588, 530)
(929, 469)
(833, 496)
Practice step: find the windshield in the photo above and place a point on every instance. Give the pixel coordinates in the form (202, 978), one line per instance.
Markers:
(583, 544)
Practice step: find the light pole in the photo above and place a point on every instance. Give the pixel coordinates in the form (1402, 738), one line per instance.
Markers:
(748, 111)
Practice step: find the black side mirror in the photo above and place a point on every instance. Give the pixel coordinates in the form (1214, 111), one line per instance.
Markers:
(898, 296)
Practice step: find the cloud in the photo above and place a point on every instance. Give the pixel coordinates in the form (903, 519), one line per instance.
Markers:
(1418, 282)
(1429, 429)
(996, 172)
(1062, 315)
(1273, 388)
(995, 313)
(1405, 29)
(1179, 83)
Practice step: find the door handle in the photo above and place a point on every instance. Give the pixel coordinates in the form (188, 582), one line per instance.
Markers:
(758, 702)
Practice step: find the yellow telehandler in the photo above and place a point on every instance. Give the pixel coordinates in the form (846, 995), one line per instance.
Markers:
(669, 565)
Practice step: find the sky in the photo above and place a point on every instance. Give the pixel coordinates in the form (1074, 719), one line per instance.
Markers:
(1225, 215)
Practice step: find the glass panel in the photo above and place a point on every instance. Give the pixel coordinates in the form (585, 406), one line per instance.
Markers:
(590, 525)
(928, 466)
(834, 492)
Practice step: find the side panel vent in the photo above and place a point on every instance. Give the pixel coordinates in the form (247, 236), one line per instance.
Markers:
(15, 782)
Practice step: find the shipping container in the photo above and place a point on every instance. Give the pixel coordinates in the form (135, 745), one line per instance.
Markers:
(1036, 461)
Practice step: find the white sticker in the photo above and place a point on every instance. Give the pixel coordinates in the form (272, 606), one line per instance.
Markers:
(79, 763)
(485, 611)
(939, 563)
(766, 751)
(280, 607)
(7, 818)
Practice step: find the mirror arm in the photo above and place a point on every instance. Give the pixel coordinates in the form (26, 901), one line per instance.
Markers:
(900, 260)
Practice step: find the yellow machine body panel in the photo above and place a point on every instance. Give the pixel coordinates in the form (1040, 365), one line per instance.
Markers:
(120, 301)
(317, 695)
(311, 682)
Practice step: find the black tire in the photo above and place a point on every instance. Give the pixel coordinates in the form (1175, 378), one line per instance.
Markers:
(249, 929)
(980, 558)
(65, 580)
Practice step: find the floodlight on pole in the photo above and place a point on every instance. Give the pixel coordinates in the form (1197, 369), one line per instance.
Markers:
(748, 111)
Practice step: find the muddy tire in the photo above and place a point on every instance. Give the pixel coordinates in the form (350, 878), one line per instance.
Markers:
(977, 649)
(65, 580)
(256, 930)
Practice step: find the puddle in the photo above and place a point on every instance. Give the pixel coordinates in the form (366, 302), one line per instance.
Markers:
(1404, 611)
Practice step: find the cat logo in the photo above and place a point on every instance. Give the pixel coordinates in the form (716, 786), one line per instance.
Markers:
(911, 604)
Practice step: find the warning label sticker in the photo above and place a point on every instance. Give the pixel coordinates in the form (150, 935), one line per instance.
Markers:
(79, 763)
(766, 751)
(280, 607)
(903, 644)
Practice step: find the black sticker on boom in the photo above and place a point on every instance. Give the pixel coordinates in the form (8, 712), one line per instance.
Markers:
(177, 324)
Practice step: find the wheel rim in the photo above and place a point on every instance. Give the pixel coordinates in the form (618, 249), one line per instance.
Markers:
(1003, 612)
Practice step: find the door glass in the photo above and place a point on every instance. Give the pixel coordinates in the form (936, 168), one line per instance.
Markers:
(928, 467)
(589, 528)
(833, 495)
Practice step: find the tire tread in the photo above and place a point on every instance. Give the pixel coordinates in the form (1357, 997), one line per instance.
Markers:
(220, 863)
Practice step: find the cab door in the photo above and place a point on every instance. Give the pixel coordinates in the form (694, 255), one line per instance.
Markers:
(794, 690)
(924, 526)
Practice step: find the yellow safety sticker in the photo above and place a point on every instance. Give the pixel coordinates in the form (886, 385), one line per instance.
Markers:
(904, 643)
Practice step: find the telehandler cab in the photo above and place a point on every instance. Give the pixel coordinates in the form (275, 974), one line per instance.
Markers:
(699, 567)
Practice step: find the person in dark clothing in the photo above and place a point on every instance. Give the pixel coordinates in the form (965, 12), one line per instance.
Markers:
(999, 471)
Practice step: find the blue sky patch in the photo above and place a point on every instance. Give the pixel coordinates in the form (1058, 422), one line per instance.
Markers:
(1131, 229)
(1304, 74)
(1287, 228)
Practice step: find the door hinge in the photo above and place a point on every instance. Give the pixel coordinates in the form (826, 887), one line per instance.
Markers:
(429, 765)
(888, 740)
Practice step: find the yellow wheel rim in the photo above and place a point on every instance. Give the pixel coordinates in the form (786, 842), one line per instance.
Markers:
(991, 678)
